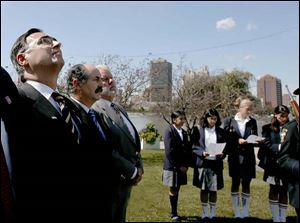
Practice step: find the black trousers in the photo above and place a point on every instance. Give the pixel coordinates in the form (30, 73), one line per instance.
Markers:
(120, 198)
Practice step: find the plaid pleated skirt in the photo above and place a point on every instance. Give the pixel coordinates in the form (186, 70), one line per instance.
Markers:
(207, 179)
(174, 178)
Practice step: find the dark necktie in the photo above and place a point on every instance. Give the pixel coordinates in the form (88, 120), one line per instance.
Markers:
(66, 114)
(6, 197)
(93, 116)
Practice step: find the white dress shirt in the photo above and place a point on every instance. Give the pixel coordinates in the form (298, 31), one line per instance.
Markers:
(241, 123)
(210, 136)
(46, 91)
(179, 132)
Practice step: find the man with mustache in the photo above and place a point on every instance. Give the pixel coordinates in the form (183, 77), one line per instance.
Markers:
(84, 86)
(126, 157)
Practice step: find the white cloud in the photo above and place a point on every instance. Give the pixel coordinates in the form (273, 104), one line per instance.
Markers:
(251, 27)
(227, 23)
(249, 57)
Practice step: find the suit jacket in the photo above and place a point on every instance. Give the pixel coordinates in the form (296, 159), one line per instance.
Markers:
(55, 177)
(241, 158)
(268, 151)
(98, 162)
(288, 156)
(201, 162)
(126, 151)
(8, 103)
(177, 151)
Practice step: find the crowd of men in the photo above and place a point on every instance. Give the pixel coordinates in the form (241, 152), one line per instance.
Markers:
(64, 157)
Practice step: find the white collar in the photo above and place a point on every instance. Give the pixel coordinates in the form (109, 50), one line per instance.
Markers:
(45, 90)
(237, 118)
(85, 108)
(179, 130)
(211, 129)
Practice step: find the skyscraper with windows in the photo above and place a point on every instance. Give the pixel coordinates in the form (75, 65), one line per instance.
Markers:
(160, 80)
(269, 90)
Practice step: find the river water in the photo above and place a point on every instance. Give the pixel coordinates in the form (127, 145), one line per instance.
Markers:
(141, 119)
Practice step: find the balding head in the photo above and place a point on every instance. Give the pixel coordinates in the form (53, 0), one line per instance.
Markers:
(84, 83)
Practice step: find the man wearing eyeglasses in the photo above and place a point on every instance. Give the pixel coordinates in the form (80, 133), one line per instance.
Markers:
(127, 163)
(52, 177)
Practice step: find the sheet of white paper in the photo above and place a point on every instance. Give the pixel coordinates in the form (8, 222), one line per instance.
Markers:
(254, 138)
(214, 148)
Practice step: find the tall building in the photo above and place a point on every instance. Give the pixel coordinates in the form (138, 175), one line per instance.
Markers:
(269, 91)
(160, 80)
(286, 99)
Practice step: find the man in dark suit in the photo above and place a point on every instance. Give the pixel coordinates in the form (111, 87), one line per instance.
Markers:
(84, 86)
(8, 102)
(288, 159)
(126, 158)
(52, 169)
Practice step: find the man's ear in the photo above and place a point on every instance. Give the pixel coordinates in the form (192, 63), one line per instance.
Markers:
(76, 83)
(21, 59)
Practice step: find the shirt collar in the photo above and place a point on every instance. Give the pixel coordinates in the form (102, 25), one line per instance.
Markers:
(179, 130)
(85, 108)
(211, 129)
(237, 117)
(45, 90)
(107, 102)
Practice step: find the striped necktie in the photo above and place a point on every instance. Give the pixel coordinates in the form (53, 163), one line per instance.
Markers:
(66, 114)
(93, 116)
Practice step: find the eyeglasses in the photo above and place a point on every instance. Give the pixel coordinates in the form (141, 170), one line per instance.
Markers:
(45, 40)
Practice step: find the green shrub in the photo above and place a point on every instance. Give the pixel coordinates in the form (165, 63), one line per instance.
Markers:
(150, 133)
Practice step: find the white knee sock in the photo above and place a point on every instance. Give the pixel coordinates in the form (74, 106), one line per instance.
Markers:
(212, 210)
(245, 203)
(204, 210)
(275, 210)
(235, 199)
(282, 212)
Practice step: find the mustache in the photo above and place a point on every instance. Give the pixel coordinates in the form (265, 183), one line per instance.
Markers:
(99, 89)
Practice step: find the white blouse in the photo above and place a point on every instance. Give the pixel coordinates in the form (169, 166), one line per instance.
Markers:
(210, 135)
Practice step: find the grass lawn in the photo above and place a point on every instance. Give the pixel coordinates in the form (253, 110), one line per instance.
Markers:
(149, 200)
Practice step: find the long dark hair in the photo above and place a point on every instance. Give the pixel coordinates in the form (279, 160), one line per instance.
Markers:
(278, 110)
(211, 112)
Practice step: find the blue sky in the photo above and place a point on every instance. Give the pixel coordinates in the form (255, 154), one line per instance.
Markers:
(259, 37)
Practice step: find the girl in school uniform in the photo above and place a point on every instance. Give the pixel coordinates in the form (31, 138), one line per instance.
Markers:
(208, 173)
(176, 160)
(241, 157)
(267, 154)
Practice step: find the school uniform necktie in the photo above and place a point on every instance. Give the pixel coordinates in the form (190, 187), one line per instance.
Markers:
(66, 114)
(93, 116)
(6, 197)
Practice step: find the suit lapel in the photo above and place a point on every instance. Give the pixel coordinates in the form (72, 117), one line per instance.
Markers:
(178, 138)
(236, 127)
(41, 104)
(248, 129)
(116, 118)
